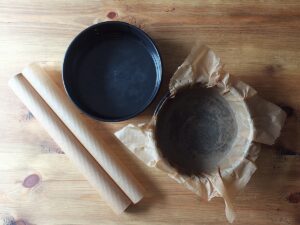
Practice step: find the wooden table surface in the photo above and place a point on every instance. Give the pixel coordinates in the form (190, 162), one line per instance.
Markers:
(259, 41)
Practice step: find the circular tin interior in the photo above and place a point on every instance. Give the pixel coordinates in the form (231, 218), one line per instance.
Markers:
(112, 71)
(195, 129)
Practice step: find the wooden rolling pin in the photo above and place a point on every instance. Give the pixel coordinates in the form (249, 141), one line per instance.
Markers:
(70, 115)
(107, 188)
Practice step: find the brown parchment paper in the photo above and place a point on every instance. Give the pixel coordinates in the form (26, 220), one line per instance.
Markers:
(67, 112)
(258, 121)
(86, 164)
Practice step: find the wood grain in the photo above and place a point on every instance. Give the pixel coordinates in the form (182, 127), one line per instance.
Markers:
(259, 41)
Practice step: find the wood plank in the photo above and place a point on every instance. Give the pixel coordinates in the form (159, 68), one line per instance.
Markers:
(259, 41)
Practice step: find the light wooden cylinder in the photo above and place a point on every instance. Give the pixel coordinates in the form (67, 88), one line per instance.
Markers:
(70, 115)
(88, 166)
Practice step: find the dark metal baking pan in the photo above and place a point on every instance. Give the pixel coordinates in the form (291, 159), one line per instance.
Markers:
(112, 71)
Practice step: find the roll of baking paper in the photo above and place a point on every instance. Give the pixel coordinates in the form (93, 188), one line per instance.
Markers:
(87, 165)
(70, 115)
